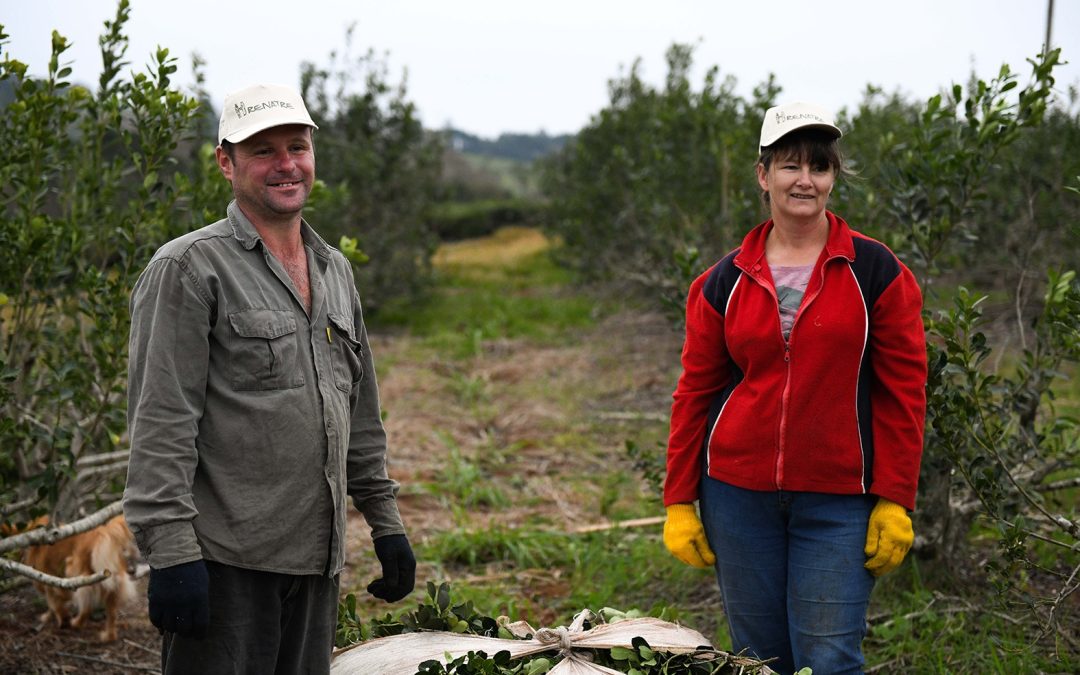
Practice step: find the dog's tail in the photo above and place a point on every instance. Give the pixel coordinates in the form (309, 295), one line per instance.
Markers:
(110, 552)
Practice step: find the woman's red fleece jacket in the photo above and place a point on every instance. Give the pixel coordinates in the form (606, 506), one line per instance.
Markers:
(838, 408)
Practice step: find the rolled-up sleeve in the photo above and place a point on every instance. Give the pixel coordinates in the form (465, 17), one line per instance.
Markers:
(167, 372)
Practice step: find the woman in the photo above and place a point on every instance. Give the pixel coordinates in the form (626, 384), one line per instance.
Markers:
(798, 417)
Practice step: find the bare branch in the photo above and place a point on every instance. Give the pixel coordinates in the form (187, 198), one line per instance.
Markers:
(101, 458)
(51, 534)
(1042, 537)
(1032, 502)
(59, 582)
(14, 507)
(28, 415)
(100, 470)
(11, 583)
(1019, 308)
(1059, 485)
(1067, 589)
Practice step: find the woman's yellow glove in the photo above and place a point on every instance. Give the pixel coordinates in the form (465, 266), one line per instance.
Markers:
(685, 537)
(888, 537)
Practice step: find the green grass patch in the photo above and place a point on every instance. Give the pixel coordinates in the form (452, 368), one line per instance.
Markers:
(464, 484)
(479, 304)
(550, 575)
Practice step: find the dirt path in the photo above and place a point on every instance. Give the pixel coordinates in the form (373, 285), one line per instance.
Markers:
(539, 422)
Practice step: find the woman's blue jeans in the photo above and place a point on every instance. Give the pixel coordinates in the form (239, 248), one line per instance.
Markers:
(790, 568)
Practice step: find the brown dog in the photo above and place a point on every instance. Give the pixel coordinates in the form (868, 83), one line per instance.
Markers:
(108, 547)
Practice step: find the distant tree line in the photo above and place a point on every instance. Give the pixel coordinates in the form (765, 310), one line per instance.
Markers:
(519, 147)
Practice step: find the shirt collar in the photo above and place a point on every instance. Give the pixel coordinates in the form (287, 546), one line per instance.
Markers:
(248, 236)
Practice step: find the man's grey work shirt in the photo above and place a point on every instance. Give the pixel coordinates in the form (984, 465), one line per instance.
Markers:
(249, 420)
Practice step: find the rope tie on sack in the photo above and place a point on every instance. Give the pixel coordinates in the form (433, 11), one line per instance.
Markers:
(551, 636)
(563, 636)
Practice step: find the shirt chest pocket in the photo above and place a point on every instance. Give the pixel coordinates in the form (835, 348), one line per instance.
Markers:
(348, 366)
(263, 352)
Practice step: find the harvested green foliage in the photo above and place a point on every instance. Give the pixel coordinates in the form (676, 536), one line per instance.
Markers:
(438, 613)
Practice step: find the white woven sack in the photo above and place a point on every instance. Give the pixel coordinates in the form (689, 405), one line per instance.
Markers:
(402, 654)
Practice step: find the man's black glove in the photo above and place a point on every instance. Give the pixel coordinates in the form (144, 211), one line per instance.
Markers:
(398, 568)
(180, 598)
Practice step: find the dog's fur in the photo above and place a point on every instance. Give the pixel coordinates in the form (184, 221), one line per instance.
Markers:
(108, 547)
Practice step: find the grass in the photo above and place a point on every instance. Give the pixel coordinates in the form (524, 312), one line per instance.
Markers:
(546, 576)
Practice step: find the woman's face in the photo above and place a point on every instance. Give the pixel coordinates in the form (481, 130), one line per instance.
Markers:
(797, 191)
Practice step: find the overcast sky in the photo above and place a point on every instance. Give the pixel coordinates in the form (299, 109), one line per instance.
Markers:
(492, 66)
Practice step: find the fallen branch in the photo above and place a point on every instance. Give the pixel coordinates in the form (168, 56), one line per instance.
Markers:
(51, 534)
(619, 524)
(142, 647)
(107, 662)
(59, 582)
(634, 416)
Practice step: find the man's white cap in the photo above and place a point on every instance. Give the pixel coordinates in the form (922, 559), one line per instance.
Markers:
(781, 120)
(258, 107)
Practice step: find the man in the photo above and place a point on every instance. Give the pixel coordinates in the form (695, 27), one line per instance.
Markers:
(253, 411)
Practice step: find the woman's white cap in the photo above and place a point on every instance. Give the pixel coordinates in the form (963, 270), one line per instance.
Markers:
(781, 120)
(258, 107)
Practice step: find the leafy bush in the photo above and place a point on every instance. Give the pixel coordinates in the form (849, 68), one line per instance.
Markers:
(87, 191)
(372, 148)
(656, 173)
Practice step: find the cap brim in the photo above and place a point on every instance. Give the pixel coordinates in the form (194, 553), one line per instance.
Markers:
(834, 131)
(248, 132)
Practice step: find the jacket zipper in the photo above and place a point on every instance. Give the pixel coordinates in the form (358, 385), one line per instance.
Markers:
(786, 395)
(779, 477)
(778, 463)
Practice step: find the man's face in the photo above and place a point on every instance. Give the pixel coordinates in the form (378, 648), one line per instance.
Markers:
(272, 172)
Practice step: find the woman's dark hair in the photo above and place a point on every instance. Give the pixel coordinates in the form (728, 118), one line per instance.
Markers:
(817, 148)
